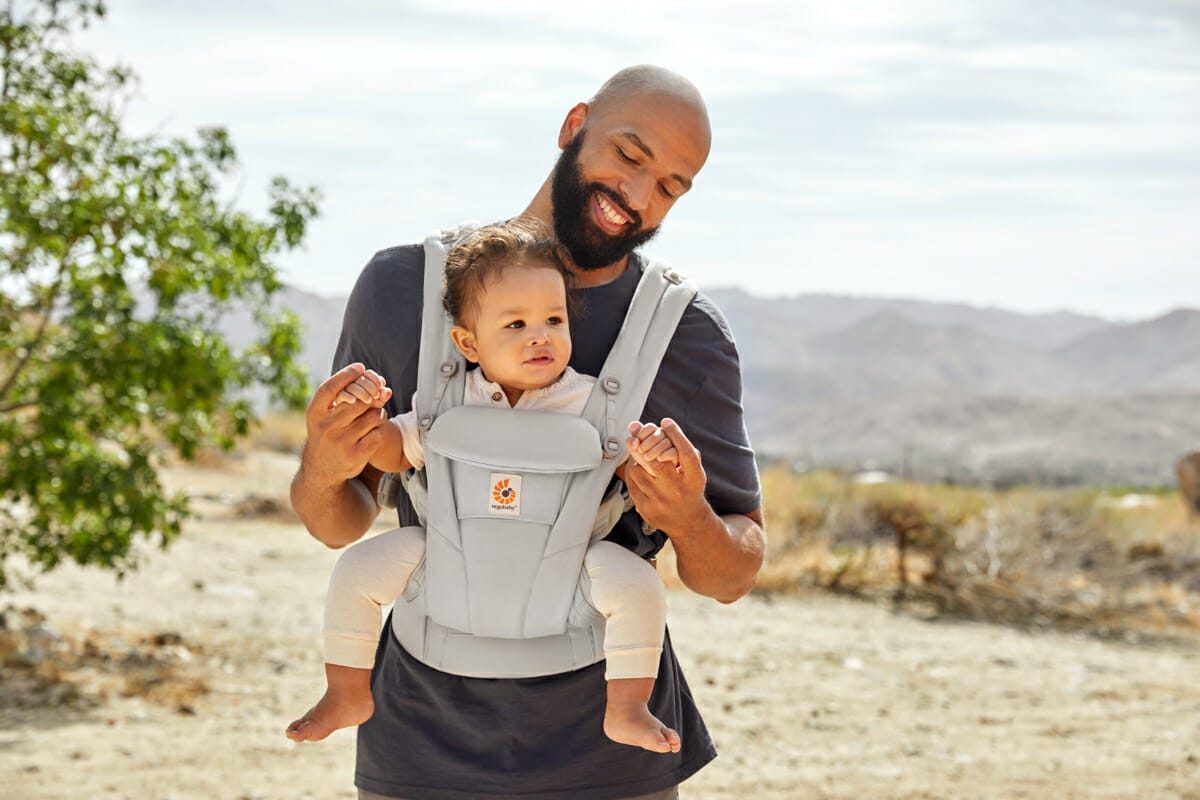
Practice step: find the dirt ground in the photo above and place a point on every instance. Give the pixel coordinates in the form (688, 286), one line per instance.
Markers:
(810, 697)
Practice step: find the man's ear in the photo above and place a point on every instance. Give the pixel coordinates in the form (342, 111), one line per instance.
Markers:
(464, 340)
(576, 117)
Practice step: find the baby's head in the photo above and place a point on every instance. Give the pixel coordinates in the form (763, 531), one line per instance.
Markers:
(506, 290)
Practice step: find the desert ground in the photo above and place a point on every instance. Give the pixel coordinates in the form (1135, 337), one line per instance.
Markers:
(189, 669)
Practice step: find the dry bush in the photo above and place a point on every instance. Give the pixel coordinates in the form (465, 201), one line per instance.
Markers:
(44, 667)
(1040, 557)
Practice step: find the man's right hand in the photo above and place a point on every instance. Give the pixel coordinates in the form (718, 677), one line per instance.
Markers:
(342, 436)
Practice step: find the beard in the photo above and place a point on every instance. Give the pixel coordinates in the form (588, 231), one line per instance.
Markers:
(590, 247)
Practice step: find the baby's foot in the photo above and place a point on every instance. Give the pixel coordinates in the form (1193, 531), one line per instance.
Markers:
(633, 724)
(333, 711)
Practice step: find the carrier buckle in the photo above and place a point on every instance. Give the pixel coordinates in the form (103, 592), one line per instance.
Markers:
(612, 446)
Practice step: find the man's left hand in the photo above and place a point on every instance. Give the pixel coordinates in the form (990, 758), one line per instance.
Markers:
(668, 497)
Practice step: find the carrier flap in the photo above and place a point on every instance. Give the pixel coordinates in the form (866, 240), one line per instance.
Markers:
(523, 441)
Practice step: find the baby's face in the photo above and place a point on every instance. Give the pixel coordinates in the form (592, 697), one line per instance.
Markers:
(520, 336)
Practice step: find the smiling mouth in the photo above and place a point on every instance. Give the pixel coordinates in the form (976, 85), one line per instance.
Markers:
(610, 214)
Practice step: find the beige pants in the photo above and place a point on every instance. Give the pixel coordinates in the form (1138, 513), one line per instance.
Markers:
(665, 794)
(374, 572)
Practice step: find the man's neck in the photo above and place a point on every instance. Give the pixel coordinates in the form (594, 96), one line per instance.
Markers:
(542, 210)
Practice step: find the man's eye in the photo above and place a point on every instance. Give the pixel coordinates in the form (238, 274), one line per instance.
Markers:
(516, 324)
(667, 193)
(625, 156)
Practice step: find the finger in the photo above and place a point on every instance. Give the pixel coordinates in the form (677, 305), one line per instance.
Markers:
(376, 378)
(362, 430)
(635, 480)
(670, 455)
(689, 456)
(646, 432)
(370, 384)
(385, 394)
(361, 393)
(639, 460)
(329, 389)
(346, 414)
(345, 397)
(659, 444)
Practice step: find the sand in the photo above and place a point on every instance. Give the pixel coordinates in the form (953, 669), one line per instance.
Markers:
(806, 697)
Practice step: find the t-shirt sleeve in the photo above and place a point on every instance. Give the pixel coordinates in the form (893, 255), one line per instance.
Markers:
(701, 379)
(382, 323)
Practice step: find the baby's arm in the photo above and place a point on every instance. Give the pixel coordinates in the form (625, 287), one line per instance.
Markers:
(370, 387)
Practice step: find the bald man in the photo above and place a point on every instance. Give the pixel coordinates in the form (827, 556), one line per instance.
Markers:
(628, 155)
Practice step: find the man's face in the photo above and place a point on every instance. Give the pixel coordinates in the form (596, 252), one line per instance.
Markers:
(619, 175)
(590, 245)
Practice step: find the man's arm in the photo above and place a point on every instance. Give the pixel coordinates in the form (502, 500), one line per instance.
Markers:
(718, 556)
(333, 491)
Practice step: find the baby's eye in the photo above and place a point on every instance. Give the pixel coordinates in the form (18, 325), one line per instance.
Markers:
(516, 324)
(556, 320)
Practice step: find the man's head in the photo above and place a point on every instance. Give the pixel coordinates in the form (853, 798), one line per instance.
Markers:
(628, 155)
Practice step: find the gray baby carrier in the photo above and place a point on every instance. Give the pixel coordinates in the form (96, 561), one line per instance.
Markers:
(509, 499)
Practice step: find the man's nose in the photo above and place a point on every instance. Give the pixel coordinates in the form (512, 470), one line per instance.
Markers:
(636, 190)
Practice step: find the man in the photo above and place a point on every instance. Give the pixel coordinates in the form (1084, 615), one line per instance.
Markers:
(628, 155)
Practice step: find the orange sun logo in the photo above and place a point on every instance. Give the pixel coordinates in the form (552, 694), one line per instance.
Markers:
(503, 494)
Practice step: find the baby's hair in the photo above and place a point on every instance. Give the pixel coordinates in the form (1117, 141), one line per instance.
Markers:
(488, 251)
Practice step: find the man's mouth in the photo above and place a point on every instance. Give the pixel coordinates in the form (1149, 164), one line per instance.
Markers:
(611, 217)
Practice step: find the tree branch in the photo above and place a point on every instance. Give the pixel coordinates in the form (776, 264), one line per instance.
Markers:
(43, 323)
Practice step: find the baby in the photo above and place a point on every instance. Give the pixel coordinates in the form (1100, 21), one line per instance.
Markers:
(506, 291)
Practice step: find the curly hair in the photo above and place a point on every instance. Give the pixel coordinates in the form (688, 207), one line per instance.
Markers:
(486, 252)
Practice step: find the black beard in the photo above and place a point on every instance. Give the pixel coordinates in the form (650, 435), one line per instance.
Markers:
(590, 248)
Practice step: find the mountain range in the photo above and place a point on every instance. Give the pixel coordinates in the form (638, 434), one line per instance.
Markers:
(941, 391)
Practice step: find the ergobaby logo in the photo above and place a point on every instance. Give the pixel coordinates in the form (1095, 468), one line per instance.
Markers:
(506, 495)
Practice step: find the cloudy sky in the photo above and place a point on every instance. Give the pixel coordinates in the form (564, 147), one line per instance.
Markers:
(1020, 153)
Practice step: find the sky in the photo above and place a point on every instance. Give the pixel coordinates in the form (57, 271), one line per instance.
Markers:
(1024, 154)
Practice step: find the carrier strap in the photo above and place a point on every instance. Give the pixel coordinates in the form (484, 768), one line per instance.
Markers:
(441, 369)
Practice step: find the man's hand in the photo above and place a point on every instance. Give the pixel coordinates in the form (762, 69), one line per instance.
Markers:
(716, 556)
(666, 481)
(342, 437)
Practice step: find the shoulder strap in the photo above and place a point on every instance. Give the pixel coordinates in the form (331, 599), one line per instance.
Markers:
(658, 303)
(441, 369)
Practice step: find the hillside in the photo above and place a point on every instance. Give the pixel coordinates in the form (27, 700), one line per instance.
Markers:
(940, 390)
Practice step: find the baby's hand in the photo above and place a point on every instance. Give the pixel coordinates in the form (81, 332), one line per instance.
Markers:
(649, 443)
(369, 388)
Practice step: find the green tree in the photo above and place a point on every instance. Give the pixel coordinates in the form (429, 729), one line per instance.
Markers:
(118, 259)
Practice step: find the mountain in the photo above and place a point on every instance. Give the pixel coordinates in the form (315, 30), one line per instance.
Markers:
(1163, 351)
(939, 390)
(811, 314)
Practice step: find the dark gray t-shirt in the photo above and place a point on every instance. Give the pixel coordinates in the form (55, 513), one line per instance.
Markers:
(445, 737)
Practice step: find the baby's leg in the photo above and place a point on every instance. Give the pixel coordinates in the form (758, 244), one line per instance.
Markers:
(368, 575)
(629, 593)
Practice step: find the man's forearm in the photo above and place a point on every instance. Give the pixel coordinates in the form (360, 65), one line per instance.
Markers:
(720, 556)
(335, 515)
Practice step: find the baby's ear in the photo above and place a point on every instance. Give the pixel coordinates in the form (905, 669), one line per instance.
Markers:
(464, 340)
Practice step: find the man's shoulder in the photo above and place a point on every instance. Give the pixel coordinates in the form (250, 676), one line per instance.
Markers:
(703, 317)
(401, 257)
